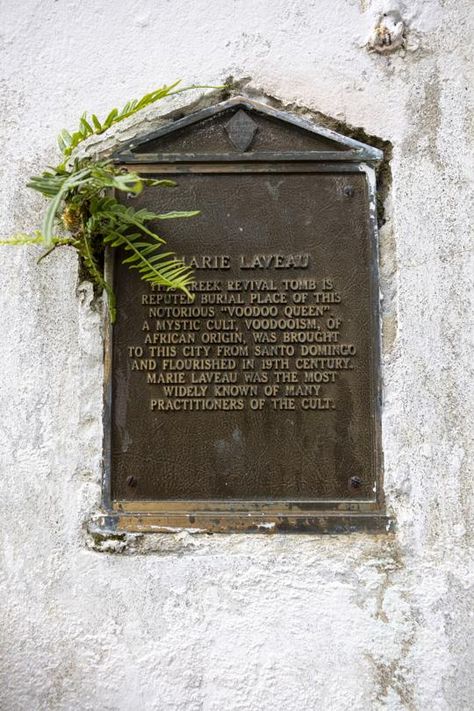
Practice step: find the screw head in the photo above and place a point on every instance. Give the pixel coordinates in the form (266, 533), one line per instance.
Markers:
(355, 482)
(348, 191)
(132, 481)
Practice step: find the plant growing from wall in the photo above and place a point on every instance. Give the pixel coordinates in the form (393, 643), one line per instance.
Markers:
(82, 202)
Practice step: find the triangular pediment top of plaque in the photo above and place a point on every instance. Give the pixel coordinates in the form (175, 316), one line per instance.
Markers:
(241, 129)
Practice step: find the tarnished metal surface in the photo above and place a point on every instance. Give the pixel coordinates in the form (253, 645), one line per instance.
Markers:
(204, 136)
(255, 406)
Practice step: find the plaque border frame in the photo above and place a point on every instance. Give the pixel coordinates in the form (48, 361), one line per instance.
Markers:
(234, 515)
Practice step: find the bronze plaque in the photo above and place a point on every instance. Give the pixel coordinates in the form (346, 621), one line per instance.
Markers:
(260, 393)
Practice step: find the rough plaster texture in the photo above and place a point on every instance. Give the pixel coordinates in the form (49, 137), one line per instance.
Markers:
(255, 622)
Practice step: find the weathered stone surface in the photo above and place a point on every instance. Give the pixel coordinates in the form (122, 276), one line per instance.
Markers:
(240, 622)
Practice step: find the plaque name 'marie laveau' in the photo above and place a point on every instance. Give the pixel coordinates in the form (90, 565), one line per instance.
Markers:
(253, 406)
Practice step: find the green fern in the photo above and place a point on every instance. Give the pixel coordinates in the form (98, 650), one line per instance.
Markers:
(38, 238)
(126, 227)
(81, 200)
(89, 126)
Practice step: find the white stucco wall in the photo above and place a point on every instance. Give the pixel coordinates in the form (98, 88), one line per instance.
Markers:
(240, 622)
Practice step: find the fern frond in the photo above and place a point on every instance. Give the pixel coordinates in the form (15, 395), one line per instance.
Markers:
(177, 214)
(48, 183)
(162, 268)
(105, 175)
(79, 198)
(23, 239)
(152, 182)
(68, 142)
(37, 238)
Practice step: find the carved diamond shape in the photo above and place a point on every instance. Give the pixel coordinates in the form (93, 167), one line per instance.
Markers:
(241, 130)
